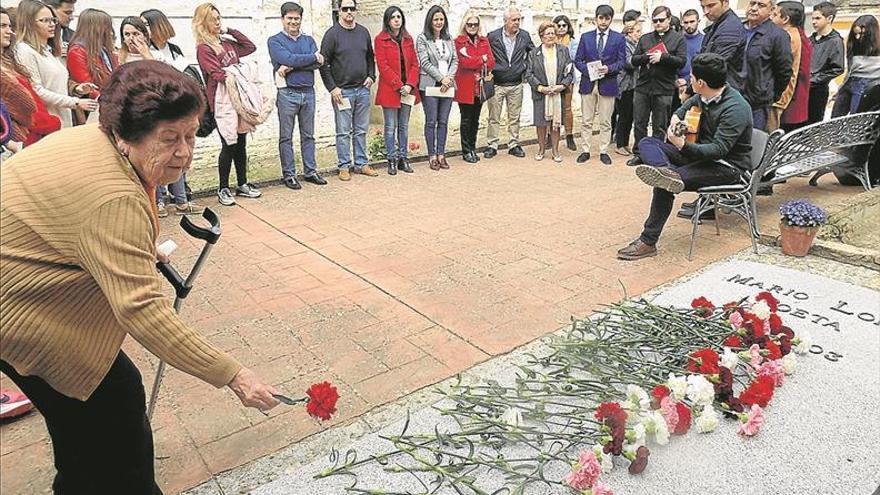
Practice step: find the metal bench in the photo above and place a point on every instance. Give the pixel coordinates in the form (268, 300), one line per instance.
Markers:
(823, 145)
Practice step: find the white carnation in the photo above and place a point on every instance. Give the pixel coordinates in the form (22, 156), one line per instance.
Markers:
(677, 386)
(729, 359)
(789, 362)
(707, 421)
(804, 344)
(637, 399)
(655, 425)
(700, 390)
(761, 310)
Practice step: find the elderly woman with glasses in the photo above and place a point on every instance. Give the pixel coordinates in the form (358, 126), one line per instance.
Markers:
(549, 71)
(80, 277)
(39, 51)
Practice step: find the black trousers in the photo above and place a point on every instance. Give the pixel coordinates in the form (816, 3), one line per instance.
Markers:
(655, 107)
(470, 124)
(233, 152)
(694, 175)
(624, 118)
(817, 103)
(103, 445)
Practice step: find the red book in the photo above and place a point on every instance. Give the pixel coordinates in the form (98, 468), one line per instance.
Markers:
(659, 47)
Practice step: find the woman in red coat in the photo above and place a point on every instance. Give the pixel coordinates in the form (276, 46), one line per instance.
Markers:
(91, 56)
(474, 57)
(398, 76)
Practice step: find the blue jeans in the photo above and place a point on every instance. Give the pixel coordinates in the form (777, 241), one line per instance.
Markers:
(760, 116)
(178, 191)
(436, 122)
(849, 96)
(292, 104)
(694, 174)
(351, 127)
(396, 124)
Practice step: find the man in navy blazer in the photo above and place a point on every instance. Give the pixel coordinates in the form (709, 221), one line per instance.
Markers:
(597, 96)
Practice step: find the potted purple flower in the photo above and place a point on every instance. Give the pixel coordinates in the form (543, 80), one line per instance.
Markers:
(799, 223)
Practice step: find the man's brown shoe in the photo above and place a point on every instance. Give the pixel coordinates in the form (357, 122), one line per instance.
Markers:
(368, 170)
(660, 177)
(636, 251)
(344, 174)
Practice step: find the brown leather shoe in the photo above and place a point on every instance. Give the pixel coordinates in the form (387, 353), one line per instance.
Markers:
(344, 174)
(660, 177)
(434, 163)
(442, 162)
(368, 170)
(636, 251)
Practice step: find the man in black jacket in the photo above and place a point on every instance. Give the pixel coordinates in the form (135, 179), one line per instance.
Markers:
(827, 61)
(510, 47)
(767, 67)
(658, 56)
(725, 36)
(725, 133)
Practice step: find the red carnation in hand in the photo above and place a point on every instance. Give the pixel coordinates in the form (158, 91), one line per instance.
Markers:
(703, 306)
(684, 419)
(322, 400)
(758, 392)
(658, 394)
(769, 299)
(734, 341)
(703, 361)
(775, 351)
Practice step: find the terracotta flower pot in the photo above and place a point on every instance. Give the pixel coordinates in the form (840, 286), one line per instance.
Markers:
(796, 241)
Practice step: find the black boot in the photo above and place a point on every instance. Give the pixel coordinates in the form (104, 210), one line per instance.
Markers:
(569, 143)
(403, 164)
(392, 167)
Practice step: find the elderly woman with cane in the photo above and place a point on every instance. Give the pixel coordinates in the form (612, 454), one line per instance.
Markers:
(79, 275)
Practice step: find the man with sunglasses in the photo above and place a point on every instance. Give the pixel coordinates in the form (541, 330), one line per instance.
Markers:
(767, 65)
(348, 72)
(659, 55)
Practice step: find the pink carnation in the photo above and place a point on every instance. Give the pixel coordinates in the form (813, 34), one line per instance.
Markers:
(736, 320)
(585, 472)
(602, 489)
(751, 422)
(669, 410)
(775, 370)
(755, 355)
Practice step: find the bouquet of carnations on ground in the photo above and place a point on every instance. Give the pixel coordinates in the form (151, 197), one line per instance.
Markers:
(738, 383)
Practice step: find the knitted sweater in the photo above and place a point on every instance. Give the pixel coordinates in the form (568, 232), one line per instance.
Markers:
(49, 79)
(79, 269)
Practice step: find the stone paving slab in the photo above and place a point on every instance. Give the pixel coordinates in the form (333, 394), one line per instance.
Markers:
(821, 431)
(387, 285)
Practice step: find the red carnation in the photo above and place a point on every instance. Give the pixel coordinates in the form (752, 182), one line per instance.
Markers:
(759, 392)
(610, 410)
(703, 361)
(731, 306)
(703, 306)
(322, 400)
(769, 299)
(755, 324)
(641, 460)
(733, 340)
(658, 394)
(724, 385)
(785, 345)
(775, 351)
(775, 322)
(684, 419)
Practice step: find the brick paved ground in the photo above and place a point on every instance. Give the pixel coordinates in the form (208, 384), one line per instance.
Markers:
(386, 285)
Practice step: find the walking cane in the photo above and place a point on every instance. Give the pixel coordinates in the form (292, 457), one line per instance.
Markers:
(183, 287)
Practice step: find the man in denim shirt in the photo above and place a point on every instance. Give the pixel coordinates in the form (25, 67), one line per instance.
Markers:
(295, 57)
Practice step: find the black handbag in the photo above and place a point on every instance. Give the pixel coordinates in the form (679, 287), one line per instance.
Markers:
(487, 87)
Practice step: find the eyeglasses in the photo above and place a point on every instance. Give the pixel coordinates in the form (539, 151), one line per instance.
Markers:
(549, 32)
(562, 25)
(516, 19)
(658, 20)
(348, 9)
(48, 20)
(472, 24)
